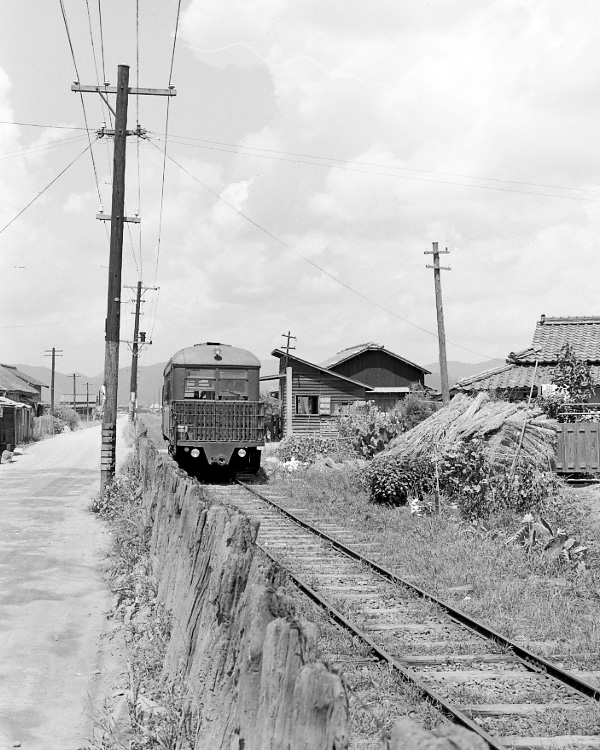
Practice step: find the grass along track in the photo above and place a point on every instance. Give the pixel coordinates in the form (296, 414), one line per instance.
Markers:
(495, 687)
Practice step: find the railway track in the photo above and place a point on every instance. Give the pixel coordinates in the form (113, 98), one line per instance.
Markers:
(475, 676)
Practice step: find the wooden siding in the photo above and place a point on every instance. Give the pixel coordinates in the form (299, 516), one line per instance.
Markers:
(309, 381)
(578, 447)
(376, 368)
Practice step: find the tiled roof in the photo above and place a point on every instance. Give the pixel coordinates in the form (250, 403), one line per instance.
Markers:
(353, 351)
(27, 378)
(551, 334)
(10, 381)
(513, 376)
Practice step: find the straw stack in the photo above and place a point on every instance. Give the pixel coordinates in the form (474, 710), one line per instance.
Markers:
(498, 423)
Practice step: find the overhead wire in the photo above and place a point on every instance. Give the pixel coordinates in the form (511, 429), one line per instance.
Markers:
(312, 263)
(64, 15)
(164, 165)
(346, 164)
(41, 192)
(137, 118)
(45, 147)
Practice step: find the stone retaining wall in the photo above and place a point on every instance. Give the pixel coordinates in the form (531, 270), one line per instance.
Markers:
(252, 665)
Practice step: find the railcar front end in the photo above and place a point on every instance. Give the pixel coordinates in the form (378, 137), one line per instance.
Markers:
(212, 413)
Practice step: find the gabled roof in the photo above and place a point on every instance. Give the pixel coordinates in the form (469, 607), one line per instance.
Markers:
(281, 354)
(354, 351)
(10, 381)
(551, 334)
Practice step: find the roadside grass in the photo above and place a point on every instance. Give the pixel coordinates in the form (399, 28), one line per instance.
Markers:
(546, 605)
(150, 712)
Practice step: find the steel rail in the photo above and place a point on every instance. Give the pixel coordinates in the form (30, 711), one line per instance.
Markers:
(530, 661)
(432, 696)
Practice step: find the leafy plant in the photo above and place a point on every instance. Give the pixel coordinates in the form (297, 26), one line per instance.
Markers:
(368, 429)
(574, 385)
(416, 407)
(553, 546)
(306, 449)
(396, 480)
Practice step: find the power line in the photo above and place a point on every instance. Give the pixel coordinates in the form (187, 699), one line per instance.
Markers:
(166, 139)
(281, 154)
(64, 15)
(312, 263)
(46, 147)
(246, 149)
(101, 39)
(31, 202)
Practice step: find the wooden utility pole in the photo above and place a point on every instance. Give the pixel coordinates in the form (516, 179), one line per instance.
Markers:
(74, 376)
(87, 402)
(117, 219)
(139, 337)
(289, 426)
(54, 353)
(440, 317)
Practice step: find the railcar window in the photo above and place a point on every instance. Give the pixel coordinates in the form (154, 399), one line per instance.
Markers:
(203, 372)
(233, 390)
(200, 388)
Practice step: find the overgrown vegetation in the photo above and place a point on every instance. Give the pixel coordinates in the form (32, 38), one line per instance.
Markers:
(522, 590)
(151, 713)
(574, 386)
(53, 425)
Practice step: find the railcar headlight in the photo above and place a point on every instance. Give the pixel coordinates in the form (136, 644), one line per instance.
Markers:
(195, 452)
(242, 452)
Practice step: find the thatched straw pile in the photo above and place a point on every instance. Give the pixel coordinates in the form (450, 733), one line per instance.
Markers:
(498, 423)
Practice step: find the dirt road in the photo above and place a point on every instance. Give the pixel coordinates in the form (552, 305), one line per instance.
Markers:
(53, 600)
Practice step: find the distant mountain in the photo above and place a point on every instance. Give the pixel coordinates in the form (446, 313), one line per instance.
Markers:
(150, 379)
(458, 370)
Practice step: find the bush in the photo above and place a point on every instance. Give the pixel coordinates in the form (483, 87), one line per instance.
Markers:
(416, 407)
(369, 430)
(67, 416)
(46, 425)
(466, 479)
(394, 480)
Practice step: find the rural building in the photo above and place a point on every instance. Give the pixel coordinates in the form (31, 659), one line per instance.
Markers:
(321, 392)
(20, 402)
(388, 376)
(515, 378)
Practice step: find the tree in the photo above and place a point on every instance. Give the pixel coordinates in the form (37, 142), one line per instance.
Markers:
(574, 385)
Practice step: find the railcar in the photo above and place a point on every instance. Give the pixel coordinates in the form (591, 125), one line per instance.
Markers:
(212, 414)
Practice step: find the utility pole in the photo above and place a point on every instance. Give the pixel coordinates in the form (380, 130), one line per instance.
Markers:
(135, 348)
(289, 426)
(87, 402)
(440, 317)
(54, 353)
(74, 376)
(117, 219)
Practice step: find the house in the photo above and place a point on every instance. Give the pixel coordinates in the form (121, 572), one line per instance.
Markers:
(515, 379)
(321, 392)
(20, 402)
(388, 376)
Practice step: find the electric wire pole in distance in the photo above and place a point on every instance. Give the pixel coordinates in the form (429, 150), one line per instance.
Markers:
(138, 337)
(117, 219)
(289, 426)
(54, 353)
(437, 279)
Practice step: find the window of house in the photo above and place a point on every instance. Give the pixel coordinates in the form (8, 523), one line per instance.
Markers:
(307, 404)
(340, 407)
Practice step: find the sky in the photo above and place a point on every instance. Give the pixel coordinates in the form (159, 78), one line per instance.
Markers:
(314, 152)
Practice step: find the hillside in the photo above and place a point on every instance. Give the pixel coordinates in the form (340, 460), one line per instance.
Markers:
(457, 371)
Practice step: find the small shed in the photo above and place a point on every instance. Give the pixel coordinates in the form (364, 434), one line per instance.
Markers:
(16, 422)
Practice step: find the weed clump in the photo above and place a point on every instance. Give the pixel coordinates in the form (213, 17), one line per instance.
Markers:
(151, 711)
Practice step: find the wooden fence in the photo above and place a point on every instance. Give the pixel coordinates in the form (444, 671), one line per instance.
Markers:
(578, 448)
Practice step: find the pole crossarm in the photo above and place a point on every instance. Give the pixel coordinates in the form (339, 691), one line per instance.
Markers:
(171, 91)
(108, 217)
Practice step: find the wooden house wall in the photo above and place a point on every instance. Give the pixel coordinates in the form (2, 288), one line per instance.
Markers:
(15, 426)
(376, 368)
(308, 381)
